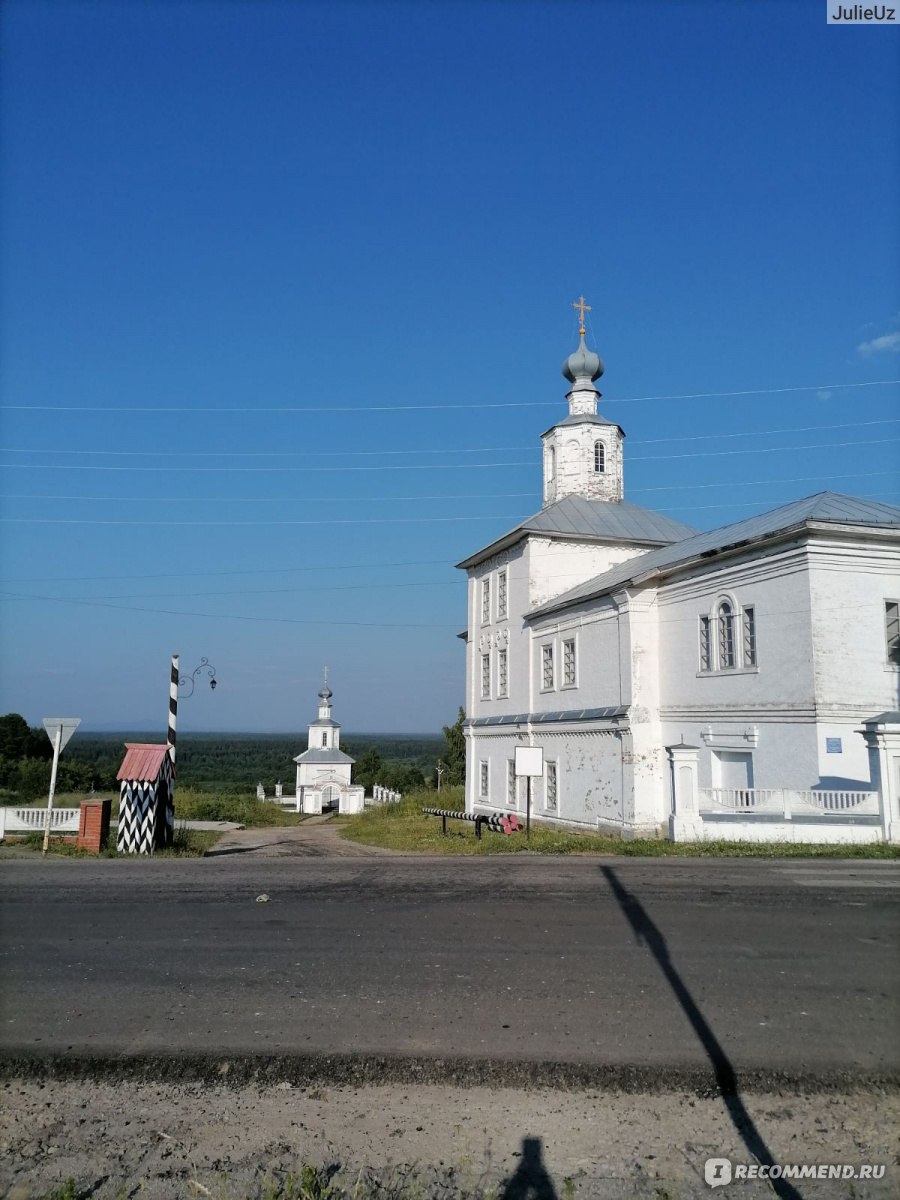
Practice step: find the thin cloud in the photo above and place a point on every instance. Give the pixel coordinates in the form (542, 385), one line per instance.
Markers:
(887, 343)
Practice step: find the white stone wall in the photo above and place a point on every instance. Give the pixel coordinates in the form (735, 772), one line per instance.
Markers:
(822, 832)
(821, 664)
(821, 668)
(573, 474)
(848, 586)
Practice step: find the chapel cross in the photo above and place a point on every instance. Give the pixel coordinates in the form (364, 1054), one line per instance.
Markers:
(582, 309)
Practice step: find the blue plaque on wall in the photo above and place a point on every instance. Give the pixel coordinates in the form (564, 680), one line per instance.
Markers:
(833, 746)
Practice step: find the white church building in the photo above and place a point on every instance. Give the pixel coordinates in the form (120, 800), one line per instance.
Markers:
(323, 769)
(740, 683)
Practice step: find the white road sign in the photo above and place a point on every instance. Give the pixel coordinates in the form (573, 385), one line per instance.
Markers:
(69, 725)
(529, 760)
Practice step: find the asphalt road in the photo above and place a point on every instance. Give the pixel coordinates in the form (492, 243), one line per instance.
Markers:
(662, 966)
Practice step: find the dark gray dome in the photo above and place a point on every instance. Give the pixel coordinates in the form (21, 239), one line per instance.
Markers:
(583, 364)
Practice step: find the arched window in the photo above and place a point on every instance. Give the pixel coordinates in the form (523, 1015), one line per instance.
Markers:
(599, 458)
(728, 636)
(549, 471)
(725, 619)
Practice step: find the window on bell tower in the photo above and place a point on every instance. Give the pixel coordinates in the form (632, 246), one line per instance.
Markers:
(599, 458)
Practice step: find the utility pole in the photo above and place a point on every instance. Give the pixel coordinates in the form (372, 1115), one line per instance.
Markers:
(440, 771)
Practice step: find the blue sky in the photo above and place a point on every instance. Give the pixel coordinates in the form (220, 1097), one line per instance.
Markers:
(286, 289)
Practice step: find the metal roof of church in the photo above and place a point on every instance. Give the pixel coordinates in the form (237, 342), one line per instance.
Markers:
(324, 756)
(583, 419)
(596, 520)
(827, 507)
(142, 761)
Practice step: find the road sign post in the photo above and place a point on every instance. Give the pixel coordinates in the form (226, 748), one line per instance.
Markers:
(529, 762)
(59, 730)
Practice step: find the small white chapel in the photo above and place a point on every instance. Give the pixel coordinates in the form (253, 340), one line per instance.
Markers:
(738, 683)
(323, 769)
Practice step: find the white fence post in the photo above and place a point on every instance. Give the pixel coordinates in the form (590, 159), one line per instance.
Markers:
(882, 737)
(685, 823)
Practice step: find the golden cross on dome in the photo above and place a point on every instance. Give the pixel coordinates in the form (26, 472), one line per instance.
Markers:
(582, 309)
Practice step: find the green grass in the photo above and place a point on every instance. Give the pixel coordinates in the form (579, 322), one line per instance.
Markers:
(192, 805)
(188, 843)
(404, 827)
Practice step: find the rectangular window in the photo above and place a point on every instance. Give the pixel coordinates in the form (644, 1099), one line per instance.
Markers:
(569, 663)
(483, 779)
(892, 631)
(485, 677)
(705, 659)
(546, 668)
(511, 783)
(551, 792)
(502, 673)
(501, 595)
(749, 624)
(324, 739)
(485, 601)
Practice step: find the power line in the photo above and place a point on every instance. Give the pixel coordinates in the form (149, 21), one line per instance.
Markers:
(338, 408)
(670, 487)
(330, 521)
(273, 499)
(344, 454)
(343, 467)
(344, 566)
(420, 562)
(231, 616)
(762, 450)
(287, 522)
(691, 619)
(369, 586)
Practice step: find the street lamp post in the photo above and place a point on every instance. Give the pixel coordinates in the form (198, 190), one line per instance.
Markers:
(176, 681)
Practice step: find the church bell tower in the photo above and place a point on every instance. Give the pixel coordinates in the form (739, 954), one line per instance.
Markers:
(582, 454)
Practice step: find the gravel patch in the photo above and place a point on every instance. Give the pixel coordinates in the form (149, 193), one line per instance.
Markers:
(162, 1141)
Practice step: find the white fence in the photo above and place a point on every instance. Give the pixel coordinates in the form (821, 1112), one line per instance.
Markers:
(33, 820)
(789, 802)
(383, 795)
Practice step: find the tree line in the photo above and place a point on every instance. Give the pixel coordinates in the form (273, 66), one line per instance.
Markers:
(232, 763)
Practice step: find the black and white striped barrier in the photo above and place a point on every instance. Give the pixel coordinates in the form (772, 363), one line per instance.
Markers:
(506, 823)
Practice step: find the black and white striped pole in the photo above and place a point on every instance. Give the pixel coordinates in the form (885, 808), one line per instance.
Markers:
(176, 681)
(173, 707)
(496, 822)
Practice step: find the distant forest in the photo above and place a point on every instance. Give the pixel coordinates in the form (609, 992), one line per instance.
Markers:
(237, 762)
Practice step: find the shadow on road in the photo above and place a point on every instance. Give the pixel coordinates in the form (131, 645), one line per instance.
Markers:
(646, 932)
(530, 1180)
(216, 852)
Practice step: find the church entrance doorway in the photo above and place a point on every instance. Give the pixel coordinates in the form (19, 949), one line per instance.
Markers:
(331, 795)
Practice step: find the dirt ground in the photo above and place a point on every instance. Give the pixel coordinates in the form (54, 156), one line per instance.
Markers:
(164, 1141)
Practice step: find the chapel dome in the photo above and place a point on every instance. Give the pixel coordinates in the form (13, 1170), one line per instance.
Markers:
(582, 364)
